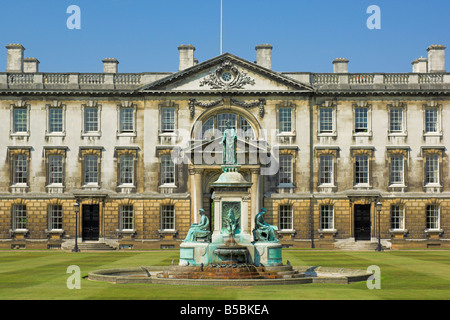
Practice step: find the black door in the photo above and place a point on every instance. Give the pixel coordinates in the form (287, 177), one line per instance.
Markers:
(362, 222)
(91, 220)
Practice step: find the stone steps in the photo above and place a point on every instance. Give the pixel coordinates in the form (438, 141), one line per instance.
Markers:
(357, 246)
(94, 246)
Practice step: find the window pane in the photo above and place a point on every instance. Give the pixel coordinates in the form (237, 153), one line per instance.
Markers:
(397, 217)
(432, 169)
(431, 120)
(222, 121)
(246, 129)
(397, 169)
(91, 120)
(91, 169)
(396, 117)
(168, 217)
(361, 119)
(208, 129)
(126, 217)
(167, 170)
(55, 119)
(55, 169)
(285, 120)
(20, 120)
(326, 217)
(362, 169)
(20, 167)
(168, 119)
(285, 175)
(55, 217)
(126, 169)
(326, 169)
(19, 217)
(326, 120)
(285, 217)
(126, 120)
(432, 216)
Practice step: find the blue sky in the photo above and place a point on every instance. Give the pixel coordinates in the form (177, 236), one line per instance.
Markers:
(144, 34)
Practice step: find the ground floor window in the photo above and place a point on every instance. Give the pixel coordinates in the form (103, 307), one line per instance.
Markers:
(432, 217)
(285, 214)
(397, 217)
(19, 217)
(326, 217)
(55, 217)
(126, 218)
(168, 217)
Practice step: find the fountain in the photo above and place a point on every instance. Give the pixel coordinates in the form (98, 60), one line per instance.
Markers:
(230, 255)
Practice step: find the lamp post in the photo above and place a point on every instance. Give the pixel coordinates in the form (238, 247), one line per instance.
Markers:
(76, 208)
(379, 205)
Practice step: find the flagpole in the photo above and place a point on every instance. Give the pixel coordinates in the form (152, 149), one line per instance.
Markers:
(221, 26)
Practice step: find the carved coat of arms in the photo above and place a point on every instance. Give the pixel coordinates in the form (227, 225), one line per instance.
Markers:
(227, 76)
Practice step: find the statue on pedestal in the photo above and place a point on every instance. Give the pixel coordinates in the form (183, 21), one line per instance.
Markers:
(229, 141)
(264, 231)
(199, 230)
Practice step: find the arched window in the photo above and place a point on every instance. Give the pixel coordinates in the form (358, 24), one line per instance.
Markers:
(214, 126)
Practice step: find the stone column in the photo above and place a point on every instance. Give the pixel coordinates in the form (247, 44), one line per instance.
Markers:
(255, 196)
(195, 177)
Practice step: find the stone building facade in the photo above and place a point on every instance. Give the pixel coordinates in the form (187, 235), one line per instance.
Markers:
(139, 152)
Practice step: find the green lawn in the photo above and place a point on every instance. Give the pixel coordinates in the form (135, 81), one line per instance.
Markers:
(404, 275)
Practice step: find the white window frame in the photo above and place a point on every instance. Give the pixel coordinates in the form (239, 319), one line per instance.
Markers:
(394, 158)
(282, 133)
(286, 217)
(126, 105)
(289, 184)
(50, 157)
(401, 217)
(368, 107)
(436, 182)
(365, 183)
(86, 168)
(438, 227)
(98, 132)
(404, 130)
(121, 173)
(124, 213)
(22, 106)
(14, 180)
(52, 215)
(163, 159)
(331, 174)
(164, 218)
(433, 106)
(56, 105)
(19, 226)
(161, 107)
(332, 107)
(321, 215)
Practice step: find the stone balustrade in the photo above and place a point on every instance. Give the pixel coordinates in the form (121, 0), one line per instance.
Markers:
(130, 81)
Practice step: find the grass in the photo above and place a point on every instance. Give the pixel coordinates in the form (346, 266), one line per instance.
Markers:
(41, 275)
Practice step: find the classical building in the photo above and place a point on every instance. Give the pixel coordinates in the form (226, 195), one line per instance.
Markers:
(137, 153)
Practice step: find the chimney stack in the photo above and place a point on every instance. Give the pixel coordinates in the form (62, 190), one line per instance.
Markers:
(436, 58)
(110, 65)
(264, 55)
(14, 58)
(31, 65)
(340, 65)
(187, 59)
(420, 65)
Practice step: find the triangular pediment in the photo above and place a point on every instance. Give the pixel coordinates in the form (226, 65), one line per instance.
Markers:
(226, 73)
(210, 151)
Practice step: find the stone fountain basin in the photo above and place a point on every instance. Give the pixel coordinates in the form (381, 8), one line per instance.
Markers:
(154, 275)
